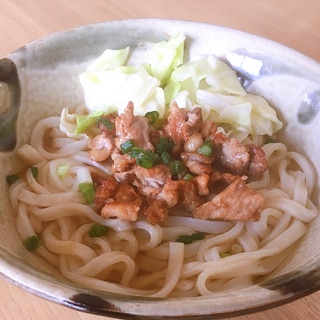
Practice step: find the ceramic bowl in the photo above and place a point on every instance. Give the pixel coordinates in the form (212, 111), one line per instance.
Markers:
(42, 78)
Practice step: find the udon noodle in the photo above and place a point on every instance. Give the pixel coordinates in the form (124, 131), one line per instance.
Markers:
(144, 259)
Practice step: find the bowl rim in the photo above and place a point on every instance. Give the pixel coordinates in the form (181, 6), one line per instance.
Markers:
(280, 290)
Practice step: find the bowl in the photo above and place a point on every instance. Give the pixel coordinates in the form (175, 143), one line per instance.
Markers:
(41, 78)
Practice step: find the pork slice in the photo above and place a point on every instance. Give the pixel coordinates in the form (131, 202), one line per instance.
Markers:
(131, 127)
(237, 202)
(182, 123)
(125, 204)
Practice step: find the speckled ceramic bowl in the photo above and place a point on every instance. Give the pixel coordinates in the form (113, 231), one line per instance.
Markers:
(43, 78)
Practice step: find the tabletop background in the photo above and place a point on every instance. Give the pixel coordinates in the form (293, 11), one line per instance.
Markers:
(294, 23)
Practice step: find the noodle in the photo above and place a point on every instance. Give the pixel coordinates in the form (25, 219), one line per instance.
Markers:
(143, 259)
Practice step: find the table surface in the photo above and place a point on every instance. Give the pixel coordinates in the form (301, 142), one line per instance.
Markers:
(293, 23)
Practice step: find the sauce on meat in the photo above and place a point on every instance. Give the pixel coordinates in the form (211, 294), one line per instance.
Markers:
(206, 185)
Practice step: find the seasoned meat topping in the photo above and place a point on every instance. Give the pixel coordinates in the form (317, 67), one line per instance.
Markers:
(185, 164)
(237, 202)
(182, 124)
(131, 127)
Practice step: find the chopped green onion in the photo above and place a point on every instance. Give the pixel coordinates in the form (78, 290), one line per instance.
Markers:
(97, 230)
(224, 254)
(87, 189)
(32, 243)
(164, 145)
(144, 158)
(63, 170)
(12, 178)
(206, 149)
(126, 146)
(188, 176)
(187, 239)
(152, 116)
(176, 167)
(102, 120)
(35, 171)
(165, 157)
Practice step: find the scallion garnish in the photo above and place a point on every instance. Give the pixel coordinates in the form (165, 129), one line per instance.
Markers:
(102, 120)
(87, 189)
(176, 167)
(187, 239)
(163, 145)
(32, 243)
(188, 176)
(12, 178)
(97, 230)
(144, 158)
(224, 254)
(126, 146)
(63, 170)
(152, 116)
(206, 149)
(35, 171)
(165, 157)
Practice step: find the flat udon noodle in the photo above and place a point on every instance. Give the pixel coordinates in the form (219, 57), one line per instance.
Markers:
(143, 259)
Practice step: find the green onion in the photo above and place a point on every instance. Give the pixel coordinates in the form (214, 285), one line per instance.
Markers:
(188, 176)
(102, 120)
(152, 116)
(224, 254)
(165, 157)
(97, 230)
(176, 166)
(87, 189)
(63, 170)
(35, 171)
(32, 243)
(126, 146)
(206, 149)
(187, 239)
(12, 178)
(164, 145)
(144, 158)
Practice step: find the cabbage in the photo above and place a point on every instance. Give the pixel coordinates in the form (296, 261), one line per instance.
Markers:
(109, 84)
(250, 113)
(205, 73)
(166, 56)
(111, 90)
(160, 77)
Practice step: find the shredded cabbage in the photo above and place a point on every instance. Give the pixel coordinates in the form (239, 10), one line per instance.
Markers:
(113, 79)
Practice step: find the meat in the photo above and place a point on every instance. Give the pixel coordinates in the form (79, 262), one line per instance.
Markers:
(124, 205)
(234, 156)
(239, 159)
(197, 163)
(101, 147)
(154, 177)
(121, 162)
(189, 199)
(131, 127)
(156, 212)
(209, 181)
(237, 203)
(105, 191)
(258, 162)
(182, 124)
